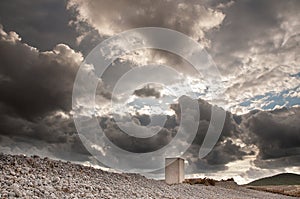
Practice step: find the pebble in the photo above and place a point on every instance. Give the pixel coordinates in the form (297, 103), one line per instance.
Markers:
(11, 194)
(35, 177)
(16, 189)
(55, 179)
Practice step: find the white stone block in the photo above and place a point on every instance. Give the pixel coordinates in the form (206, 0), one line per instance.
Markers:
(174, 170)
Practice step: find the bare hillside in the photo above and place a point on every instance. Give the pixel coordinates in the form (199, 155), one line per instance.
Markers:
(34, 177)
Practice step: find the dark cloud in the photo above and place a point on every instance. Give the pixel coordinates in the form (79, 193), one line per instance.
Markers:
(277, 136)
(36, 82)
(110, 18)
(252, 45)
(144, 119)
(36, 86)
(35, 100)
(147, 91)
(44, 24)
(137, 145)
(224, 152)
(41, 24)
(253, 22)
(113, 17)
(53, 136)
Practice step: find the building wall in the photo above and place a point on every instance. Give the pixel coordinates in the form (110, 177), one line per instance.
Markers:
(174, 170)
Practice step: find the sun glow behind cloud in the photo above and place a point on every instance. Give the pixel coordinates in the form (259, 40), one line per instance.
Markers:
(255, 45)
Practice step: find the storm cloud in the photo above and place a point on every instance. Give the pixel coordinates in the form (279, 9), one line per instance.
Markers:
(41, 24)
(35, 83)
(36, 98)
(113, 17)
(147, 91)
(255, 45)
(277, 136)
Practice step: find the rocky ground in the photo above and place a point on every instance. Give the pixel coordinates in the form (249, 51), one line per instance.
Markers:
(34, 177)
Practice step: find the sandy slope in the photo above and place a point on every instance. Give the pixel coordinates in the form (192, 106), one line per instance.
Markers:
(33, 177)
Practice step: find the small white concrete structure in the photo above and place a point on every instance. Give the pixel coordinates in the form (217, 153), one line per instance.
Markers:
(174, 170)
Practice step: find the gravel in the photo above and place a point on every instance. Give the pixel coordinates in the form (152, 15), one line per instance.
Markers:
(35, 177)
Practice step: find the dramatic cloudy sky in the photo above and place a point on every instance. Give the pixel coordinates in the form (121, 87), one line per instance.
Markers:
(254, 43)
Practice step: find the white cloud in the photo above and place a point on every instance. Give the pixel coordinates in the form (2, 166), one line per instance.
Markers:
(258, 51)
(109, 18)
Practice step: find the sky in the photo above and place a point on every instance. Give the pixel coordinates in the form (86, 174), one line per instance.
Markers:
(254, 44)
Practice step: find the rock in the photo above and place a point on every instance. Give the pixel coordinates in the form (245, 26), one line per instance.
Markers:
(12, 173)
(107, 189)
(67, 180)
(7, 182)
(55, 179)
(11, 194)
(50, 189)
(16, 189)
